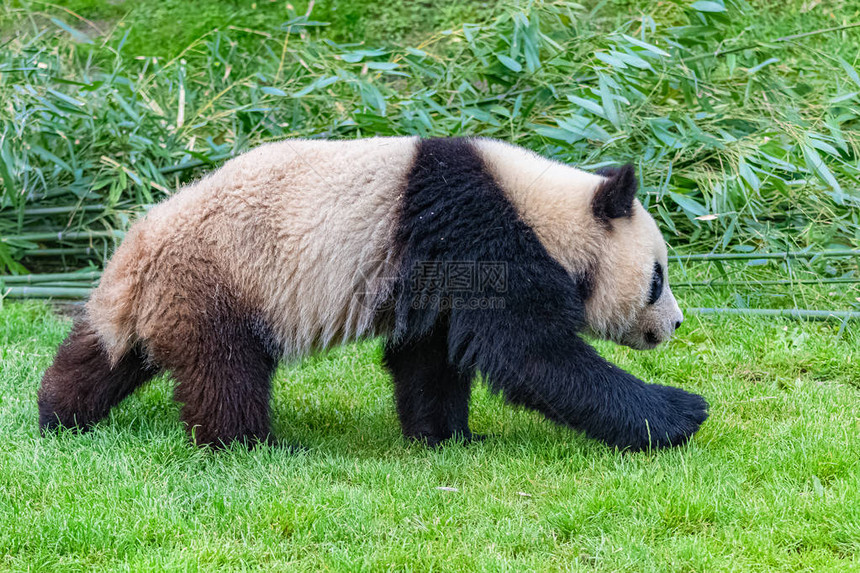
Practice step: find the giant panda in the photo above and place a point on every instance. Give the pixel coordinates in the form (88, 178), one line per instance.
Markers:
(467, 255)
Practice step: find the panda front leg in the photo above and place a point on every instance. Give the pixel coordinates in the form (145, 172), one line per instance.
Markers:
(570, 383)
(431, 395)
(612, 405)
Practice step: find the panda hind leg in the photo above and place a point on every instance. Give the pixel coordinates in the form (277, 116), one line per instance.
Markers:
(432, 397)
(82, 384)
(223, 368)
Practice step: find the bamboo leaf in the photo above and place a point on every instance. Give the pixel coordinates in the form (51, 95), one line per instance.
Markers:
(748, 175)
(77, 35)
(65, 98)
(607, 100)
(510, 63)
(707, 6)
(814, 163)
(849, 69)
(611, 60)
(271, 90)
(589, 105)
(649, 47)
(319, 83)
(385, 66)
(822, 145)
(692, 207)
(51, 158)
(8, 182)
(755, 69)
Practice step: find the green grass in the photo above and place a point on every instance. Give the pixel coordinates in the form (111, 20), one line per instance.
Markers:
(163, 28)
(764, 137)
(770, 483)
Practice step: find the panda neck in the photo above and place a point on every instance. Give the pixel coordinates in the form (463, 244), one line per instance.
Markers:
(554, 199)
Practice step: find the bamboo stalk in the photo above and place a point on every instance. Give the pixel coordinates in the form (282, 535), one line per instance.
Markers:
(49, 277)
(66, 236)
(63, 251)
(765, 282)
(61, 284)
(192, 164)
(32, 211)
(756, 256)
(44, 292)
(795, 313)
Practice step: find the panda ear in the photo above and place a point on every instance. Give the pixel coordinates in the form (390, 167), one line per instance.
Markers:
(614, 197)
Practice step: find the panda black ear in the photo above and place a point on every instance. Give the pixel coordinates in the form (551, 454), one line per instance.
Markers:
(614, 197)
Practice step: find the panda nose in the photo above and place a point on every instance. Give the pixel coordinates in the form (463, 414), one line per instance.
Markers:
(678, 324)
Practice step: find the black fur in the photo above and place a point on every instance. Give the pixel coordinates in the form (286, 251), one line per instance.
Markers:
(615, 196)
(81, 386)
(432, 396)
(223, 366)
(530, 349)
(221, 359)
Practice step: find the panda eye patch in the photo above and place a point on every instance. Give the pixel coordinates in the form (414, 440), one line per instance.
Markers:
(656, 284)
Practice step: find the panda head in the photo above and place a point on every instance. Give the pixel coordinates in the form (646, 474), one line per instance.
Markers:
(630, 301)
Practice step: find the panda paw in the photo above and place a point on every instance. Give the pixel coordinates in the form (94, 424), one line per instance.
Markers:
(670, 418)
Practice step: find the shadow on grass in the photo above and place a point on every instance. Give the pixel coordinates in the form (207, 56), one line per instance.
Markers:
(326, 418)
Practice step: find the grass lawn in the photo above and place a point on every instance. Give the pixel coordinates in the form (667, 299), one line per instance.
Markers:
(745, 136)
(771, 482)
